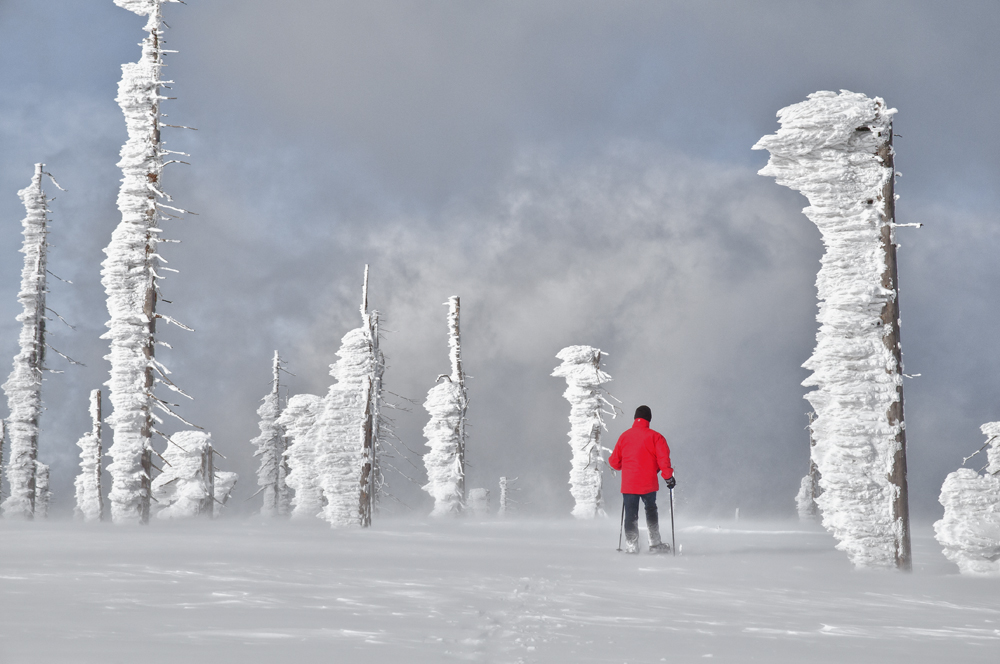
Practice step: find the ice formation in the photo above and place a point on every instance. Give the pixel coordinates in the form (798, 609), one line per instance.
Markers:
(186, 487)
(89, 501)
(836, 150)
(24, 386)
(581, 367)
(447, 403)
(225, 482)
(42, 494)
(130, 277)
(970, 529)
(809, 489)
(270, 446)
(297, 421)
(342, 429)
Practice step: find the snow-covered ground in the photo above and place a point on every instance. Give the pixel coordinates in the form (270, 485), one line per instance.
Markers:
(518, 590)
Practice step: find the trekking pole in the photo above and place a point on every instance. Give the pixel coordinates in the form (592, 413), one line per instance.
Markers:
(622, 526)
(673, 541)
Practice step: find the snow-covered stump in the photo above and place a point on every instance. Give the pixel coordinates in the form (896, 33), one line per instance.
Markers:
(581, 367)
(836, 149)
(130, 276)
(186, 487)
(89, 499)
(297, 420)
(24, 386)
(970, 529)
(42, 494)
(447, 404)
(271, 444)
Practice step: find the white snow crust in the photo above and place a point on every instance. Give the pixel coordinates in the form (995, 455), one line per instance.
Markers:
(581, 367)
(820, 152)
(297, 421)
(970, 529)
(186, 488)
(89, 502)
(538, 591)
(24, 386)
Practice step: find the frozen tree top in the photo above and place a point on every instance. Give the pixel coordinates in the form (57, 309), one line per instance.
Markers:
(141, 7)
(825, 120)
(581, 365)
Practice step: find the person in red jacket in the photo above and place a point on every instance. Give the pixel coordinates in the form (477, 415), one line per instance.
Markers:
(640, 454)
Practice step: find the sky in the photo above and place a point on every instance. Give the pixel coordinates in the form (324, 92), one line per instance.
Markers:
(577, 172)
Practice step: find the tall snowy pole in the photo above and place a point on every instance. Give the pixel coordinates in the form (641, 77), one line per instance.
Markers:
(458, 377)
(24, 387)
(130, 277)
(836, 149)
(581, 367)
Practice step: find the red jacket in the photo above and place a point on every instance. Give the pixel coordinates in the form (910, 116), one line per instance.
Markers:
(640, 453)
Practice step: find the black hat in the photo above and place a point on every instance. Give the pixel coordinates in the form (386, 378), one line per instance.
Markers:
(644, 412)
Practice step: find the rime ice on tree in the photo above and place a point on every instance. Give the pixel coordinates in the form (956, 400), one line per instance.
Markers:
(130, 276)
(297, 421)
(186, 487)
(271, 444)
(24, 386)
(809, 489)
(836, 149)
(89, 501)
(970, 529)
(581, 367)
(447, 403)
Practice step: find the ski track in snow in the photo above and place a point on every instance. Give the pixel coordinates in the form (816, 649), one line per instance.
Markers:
(490, 591)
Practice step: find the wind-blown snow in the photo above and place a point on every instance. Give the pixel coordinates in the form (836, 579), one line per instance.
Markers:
(970, 529)
(186, 487)
(24, 386)
(581, 367)
(130, 275)
(89, 501)
(826, 149)
(297, 420)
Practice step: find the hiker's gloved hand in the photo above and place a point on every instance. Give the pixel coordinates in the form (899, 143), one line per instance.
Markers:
(671, 483)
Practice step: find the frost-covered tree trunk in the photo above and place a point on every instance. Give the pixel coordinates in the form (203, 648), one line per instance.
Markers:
(447, 404)
(89, 500)
(297, 420)
(581, 367)
(130, 276)
(809, 488)
(970, 529)
(186, 487)
(42, 494)
(836, 149)
(271, 444)
(24, 386)
(347, 432)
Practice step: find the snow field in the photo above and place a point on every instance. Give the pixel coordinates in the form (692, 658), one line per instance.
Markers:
(492, 591)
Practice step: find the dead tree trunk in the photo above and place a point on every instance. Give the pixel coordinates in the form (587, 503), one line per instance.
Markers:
(368, 494)
(890, 320)
(458, 377)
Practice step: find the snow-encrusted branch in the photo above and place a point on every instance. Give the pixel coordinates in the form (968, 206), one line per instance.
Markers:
(581, 367)
(836, 150)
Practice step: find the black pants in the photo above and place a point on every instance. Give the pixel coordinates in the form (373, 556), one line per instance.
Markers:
(632, 513)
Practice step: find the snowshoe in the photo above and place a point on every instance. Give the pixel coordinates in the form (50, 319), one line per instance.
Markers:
(662, 547)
